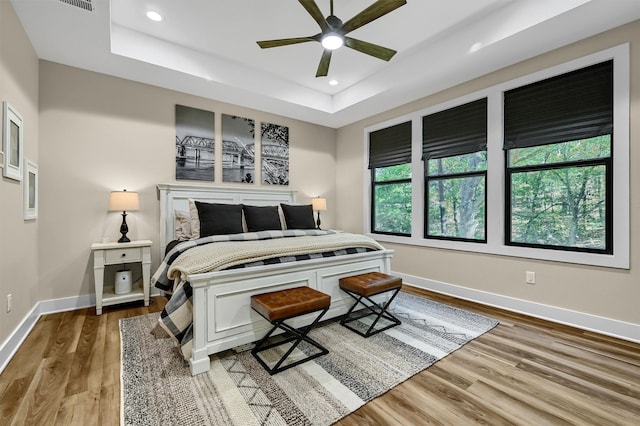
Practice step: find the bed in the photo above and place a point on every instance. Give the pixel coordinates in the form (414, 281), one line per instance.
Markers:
(220, 300)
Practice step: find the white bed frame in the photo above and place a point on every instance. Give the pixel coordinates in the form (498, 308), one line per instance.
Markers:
(222, 314)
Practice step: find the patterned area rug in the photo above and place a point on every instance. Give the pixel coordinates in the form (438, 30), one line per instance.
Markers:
(157, 387)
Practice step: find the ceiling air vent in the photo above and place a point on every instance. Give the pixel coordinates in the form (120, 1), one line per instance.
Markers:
(82, 4)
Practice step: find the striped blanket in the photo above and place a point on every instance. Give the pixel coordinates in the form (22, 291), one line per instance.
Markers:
(221, 252)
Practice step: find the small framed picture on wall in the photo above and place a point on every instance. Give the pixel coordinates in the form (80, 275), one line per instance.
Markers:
(30, 190)
(12, 142)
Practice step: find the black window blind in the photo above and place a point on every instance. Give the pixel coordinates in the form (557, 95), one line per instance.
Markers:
(455, 131)
(572, 106)
(390, 146)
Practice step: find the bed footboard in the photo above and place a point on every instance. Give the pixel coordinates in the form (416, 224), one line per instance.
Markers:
(222, 314)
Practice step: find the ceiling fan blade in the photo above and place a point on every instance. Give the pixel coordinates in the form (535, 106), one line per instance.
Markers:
(323, 67)
(373, 12)
(369, 48)
(265, 44)
(315, 12)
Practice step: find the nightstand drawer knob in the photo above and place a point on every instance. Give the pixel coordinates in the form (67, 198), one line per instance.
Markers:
(123, 255)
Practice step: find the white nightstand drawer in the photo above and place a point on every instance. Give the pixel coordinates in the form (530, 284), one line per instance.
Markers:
(133, 254)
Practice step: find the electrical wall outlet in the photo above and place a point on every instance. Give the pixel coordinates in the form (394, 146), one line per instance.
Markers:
(9, 302)
(530, 277)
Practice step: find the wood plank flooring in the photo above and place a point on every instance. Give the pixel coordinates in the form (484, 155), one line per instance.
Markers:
(525, 372)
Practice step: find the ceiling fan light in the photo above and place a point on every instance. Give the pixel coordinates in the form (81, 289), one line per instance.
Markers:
(332, 41)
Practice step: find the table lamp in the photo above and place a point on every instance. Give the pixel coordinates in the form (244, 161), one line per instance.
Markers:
(124, 201)
(319, 204)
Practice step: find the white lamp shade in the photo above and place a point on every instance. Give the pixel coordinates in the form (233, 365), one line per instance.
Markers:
(319, 204)
(123, 201)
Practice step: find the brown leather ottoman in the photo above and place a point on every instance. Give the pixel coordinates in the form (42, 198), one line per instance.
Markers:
(362, 288)
(278, 306)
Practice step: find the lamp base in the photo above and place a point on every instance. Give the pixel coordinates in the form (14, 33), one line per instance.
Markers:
(318, 220)
(124, 229)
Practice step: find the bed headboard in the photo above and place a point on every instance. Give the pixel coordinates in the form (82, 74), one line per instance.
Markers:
(175, 196)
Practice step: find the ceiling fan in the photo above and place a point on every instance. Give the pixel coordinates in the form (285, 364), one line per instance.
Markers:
(334, 31)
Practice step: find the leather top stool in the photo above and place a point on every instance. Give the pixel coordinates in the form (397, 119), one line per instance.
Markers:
(278, 306)
(362, 288)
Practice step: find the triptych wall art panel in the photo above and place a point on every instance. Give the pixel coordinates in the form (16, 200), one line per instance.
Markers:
(275, 154)
(195, 144)
(238, 149)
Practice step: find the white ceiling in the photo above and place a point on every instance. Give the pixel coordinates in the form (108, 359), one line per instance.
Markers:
(208, 47)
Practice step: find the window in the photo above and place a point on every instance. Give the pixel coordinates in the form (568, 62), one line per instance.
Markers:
(559, 169)
(390, 165)
(542, 171)
(455, 156)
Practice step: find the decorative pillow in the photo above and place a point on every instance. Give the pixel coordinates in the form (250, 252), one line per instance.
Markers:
(183, 225)
(261, 218)
(298, 217)
(195, 220)
(218, 219)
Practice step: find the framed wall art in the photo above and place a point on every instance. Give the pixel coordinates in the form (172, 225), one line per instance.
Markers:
(195, 144)
(238, 149)
(275, 154)
(12, 136)
(30, 190)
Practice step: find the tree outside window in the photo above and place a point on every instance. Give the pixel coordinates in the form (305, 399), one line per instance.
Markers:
(392, 200)
(456, 197)
(559, 194)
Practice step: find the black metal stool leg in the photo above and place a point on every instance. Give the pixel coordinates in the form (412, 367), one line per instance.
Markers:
(380, 311)
(297, 336)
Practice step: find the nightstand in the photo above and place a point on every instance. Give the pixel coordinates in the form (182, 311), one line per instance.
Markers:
(119, 254)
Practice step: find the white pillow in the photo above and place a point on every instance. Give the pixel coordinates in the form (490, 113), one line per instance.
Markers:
(183, 225)
(195, 219)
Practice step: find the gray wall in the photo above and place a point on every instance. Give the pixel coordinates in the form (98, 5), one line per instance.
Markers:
(18, 238)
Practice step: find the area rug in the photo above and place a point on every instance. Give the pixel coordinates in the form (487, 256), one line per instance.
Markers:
(158, 389)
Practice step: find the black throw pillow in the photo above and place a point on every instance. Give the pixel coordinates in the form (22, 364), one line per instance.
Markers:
(298, 217)
(261, 218)
(219, 219)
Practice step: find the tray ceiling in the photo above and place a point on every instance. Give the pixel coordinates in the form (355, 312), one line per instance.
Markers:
(208, 47)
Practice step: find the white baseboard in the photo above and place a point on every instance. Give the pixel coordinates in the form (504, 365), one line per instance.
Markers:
(10, 346)
(606, 326)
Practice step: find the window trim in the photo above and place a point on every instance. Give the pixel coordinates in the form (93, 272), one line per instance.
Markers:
(495, 193)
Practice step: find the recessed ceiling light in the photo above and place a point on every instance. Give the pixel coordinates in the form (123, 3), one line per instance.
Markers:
(154, 16)
(476, 46)
(333, 82)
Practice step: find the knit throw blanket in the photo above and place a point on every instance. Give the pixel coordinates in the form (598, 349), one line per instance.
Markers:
(222, 255)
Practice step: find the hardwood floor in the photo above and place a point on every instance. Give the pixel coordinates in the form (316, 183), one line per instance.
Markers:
(525, 371)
